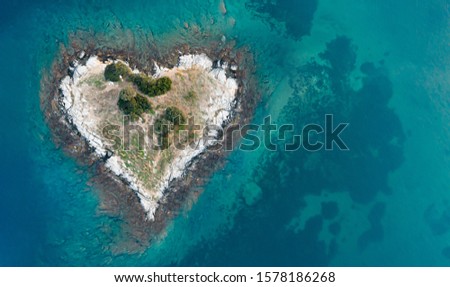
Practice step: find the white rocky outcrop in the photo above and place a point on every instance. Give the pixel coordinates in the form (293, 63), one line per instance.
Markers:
(221, 100)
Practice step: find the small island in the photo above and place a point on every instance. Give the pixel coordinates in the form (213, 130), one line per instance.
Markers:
(149, 124)
(139, 122)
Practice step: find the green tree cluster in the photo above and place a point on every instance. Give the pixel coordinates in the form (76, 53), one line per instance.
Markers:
(132, 103)
(147, 85)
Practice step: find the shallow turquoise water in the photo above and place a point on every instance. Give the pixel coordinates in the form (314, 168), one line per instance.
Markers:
(385, 202)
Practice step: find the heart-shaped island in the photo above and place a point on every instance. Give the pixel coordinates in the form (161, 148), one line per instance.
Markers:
(152, 129)
(149, 127)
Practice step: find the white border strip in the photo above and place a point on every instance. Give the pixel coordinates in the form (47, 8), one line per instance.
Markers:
(347, 277)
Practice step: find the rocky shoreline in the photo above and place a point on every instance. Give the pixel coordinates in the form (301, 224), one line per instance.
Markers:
(117, 198)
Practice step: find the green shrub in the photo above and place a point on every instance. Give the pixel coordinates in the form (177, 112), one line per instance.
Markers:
(133, 104)
(143, 103)
(171, 117)
(114, 71)
(151, 87)
(127, 94)
(175, 116)
(163, 85)
(162, 126)
(170, 120)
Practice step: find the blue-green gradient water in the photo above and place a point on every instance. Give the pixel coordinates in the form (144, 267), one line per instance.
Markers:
(381, 65)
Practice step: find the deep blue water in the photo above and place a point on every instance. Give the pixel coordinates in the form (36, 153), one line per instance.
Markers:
(382, 66)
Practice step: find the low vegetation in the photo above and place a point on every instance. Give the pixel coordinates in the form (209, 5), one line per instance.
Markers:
(172, 119)
(191, 96)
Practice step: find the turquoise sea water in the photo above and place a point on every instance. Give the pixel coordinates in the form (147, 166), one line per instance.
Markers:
(382, 66)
